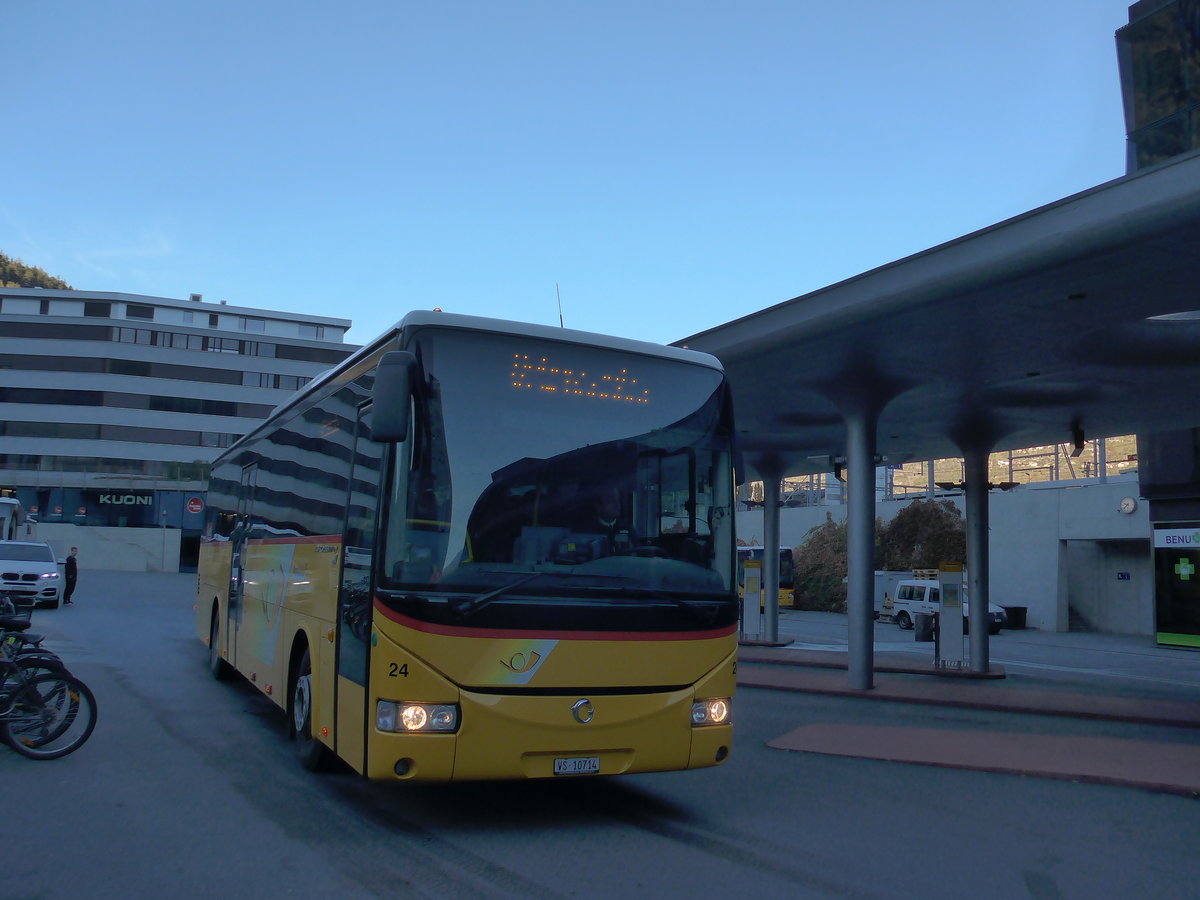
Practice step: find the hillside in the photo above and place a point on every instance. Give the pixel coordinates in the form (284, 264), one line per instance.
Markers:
(15, 273)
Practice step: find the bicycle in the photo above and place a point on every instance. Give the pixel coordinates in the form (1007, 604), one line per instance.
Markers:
(45, 711)
(25, 647)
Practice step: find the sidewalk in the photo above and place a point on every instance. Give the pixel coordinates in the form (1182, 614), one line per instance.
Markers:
(825, 672)
(1082, 689)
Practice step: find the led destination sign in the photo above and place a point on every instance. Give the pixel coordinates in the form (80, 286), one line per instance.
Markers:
(540, 373)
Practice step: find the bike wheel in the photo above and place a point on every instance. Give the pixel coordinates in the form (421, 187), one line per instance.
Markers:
(33, 664)
(54, 714)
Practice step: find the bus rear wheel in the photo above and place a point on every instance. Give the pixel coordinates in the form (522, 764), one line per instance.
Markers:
(312, 753)
(216, 665)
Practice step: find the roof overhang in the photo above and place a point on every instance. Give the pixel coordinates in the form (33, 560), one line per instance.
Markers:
(1037, 330)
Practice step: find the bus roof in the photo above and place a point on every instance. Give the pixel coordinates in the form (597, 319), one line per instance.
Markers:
(423, 317)
(437, 319)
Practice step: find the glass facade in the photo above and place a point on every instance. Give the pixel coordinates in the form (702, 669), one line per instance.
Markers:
(1159, 54)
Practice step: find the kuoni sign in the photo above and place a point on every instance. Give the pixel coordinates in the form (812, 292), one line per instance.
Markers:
(195, 505)
(125, 499)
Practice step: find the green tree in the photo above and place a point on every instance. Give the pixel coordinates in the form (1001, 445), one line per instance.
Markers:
(819, 576)
(15, 273)
(922, 535)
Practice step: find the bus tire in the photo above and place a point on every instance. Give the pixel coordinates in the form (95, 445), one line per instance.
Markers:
(313, 755)
(216, 665)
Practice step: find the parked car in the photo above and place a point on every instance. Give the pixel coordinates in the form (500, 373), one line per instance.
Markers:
(922, 596)
(29, 573)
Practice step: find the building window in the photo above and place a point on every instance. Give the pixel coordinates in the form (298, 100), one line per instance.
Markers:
(248, 324)
(222, 345)
(97, 309)
(313, 332)
(137, 336)
(216, 439)
(212, 320)
(257, 348)
(139, 311)
(44, 308)
(189, 317)
(187, 341)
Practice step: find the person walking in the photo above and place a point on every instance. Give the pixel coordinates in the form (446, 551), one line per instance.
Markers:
(72, 574)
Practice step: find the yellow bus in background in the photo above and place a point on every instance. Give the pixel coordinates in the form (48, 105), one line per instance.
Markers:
(754, 553)
(485, 550)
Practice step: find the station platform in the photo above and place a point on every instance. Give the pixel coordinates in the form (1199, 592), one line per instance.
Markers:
(1162, 699)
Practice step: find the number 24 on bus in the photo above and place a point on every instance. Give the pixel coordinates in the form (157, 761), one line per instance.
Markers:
(479, 550)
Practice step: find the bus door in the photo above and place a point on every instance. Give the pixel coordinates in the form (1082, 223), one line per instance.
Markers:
(237, 567)
(355, 593)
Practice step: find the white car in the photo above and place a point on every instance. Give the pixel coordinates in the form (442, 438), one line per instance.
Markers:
(29, 573)
(922, 596)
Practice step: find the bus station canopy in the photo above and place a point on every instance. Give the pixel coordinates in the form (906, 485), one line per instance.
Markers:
(1075, 321)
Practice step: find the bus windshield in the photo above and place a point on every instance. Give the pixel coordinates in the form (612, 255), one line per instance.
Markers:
(554, 485)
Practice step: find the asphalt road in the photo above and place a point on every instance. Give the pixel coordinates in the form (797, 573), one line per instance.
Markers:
(187, 789)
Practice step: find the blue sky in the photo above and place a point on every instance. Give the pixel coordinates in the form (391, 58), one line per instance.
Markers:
(669, 165)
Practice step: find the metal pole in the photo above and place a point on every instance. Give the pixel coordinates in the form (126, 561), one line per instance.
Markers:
(975, 464)
(770, 566)
(860, 527)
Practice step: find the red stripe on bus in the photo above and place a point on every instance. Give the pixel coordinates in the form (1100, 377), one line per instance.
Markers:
(509, 633)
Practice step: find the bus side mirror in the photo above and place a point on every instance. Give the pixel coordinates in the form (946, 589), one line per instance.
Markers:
(391, 396)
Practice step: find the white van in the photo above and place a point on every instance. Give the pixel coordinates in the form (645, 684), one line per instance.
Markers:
(922, 596)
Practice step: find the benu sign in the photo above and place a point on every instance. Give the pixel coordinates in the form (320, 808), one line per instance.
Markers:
(126, 499)
(1177, 538)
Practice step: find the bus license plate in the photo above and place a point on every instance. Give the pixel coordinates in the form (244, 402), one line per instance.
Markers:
(577, 765)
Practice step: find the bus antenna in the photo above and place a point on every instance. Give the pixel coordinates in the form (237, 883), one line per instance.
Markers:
(559, 295)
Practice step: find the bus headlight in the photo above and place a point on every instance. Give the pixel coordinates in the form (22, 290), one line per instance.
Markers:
(711, 712)
(393, 715)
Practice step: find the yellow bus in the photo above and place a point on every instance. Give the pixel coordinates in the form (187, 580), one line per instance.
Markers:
(485, 550)
(753, 553)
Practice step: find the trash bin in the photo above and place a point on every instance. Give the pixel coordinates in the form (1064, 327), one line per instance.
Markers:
(923, 626)
(1016, 615)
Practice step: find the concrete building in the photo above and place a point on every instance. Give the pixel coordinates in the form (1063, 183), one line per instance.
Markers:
(112, 406)
(1159, 55)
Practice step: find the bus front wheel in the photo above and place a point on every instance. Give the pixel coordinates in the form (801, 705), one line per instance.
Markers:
(312, 753)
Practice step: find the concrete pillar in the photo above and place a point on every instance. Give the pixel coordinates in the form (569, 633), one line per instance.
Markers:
(975, 463)
(860, 527)
(770, 564)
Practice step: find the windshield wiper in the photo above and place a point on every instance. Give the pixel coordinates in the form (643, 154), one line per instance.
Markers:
(472, 605)
(703, 614)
